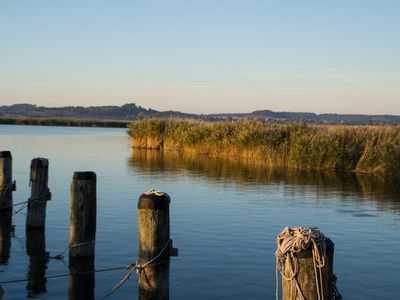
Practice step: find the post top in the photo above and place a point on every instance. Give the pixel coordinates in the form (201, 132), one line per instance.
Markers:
(87, 175)
(40, 163)
(5, 154)
(154, 199)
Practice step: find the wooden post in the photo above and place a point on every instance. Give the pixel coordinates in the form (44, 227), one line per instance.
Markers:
(300, 275)
(154, 245)
(7, 186)
(38, 259)
(36, 215)
(5, 235)
(82, 228)
(81, 279)
(1, 293)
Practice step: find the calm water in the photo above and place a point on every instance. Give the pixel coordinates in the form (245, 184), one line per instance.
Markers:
(224, 218)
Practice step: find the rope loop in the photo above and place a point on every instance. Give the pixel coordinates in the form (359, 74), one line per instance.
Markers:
(292, 241)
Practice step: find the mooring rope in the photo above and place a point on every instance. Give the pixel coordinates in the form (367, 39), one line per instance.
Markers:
(61, 255)
(136, 267)
(292, 241)
(62, 275)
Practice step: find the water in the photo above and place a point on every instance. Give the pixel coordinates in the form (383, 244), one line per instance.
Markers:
(224, 218)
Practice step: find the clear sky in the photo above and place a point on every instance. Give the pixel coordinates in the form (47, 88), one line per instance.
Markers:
(203, 56)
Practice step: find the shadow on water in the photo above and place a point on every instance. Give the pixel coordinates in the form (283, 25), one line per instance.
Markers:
(38, 259)
(377, 188)
(6, 231)
(81, 280)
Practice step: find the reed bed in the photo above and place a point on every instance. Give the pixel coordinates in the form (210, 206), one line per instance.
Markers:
(295, 145)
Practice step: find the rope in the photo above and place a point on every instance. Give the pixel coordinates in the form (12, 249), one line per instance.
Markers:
(292, 241)
(61, 275)
(136, 267)
(61, 255)
(13, 205)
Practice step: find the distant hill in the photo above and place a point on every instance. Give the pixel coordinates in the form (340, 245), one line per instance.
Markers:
(131, 111)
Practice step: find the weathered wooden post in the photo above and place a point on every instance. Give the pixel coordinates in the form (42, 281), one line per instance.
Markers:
(5, 235)
(38, 259)
(155, 245)
(305, 259)
(82, 236)
(82, 228)
(81, 279)
(36, 215)
(7, 186)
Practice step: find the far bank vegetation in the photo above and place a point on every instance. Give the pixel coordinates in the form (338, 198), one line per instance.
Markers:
(295, 145)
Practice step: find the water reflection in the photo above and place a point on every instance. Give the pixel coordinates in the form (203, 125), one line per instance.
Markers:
(81, 278)
(38, 259)
(6, 231)
(154, 282)
(386, 191)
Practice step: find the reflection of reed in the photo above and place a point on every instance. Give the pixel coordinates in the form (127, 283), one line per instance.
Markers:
(154, 282)
(81, 278)
(364, 186)
(5, 235)
(36, 250)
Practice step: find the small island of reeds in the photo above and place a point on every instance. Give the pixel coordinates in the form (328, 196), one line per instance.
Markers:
(296, 145)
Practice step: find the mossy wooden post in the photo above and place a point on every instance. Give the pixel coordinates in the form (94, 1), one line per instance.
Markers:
(154, 242)
(81, 279)
(305, 275)
(82, 228)
(7, 186)
(38, 259)
(36, 215)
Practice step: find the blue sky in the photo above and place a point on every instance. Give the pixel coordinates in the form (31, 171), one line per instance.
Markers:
(203, 56)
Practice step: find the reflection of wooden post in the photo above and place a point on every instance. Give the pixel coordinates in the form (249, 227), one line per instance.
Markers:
(154, 240)
(5, 235)
(6, 184)
(1, 293)
(82, 230)
(299, 269)
(81, 279)
(36, 215)
(38, 259)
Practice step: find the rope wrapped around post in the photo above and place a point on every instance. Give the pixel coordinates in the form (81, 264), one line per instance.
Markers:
(304, 258)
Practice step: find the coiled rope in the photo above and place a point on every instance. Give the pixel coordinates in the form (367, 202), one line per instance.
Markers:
(290, 242)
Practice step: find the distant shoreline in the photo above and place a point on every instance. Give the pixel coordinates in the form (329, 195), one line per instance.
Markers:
(65, 122)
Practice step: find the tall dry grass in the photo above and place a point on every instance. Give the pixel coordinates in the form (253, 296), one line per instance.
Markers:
(298, 145)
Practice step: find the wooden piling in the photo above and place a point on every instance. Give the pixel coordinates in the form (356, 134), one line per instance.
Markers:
(154, 245)
(81, 279)
(82, 229)
(38, 259)
(5, 235)
(7, 186)
(303, 271)
(36, 214)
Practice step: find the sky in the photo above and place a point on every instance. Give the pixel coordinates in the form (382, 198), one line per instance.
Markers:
(205, 56)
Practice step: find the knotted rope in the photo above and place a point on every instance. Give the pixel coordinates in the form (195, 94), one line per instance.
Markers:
(292, 241)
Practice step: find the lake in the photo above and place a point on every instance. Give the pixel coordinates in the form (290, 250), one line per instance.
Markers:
(224, 218)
